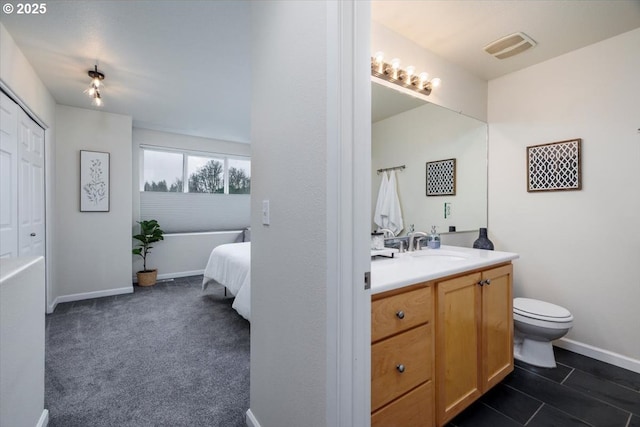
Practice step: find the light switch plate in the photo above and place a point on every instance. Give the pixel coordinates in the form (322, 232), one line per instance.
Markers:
(447, 210)
(265, 213)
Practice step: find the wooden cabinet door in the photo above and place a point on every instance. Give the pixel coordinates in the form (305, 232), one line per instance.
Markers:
(458, 371)
(497, 325)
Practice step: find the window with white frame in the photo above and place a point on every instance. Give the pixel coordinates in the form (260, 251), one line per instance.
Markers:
(191, 191)
(168, 170)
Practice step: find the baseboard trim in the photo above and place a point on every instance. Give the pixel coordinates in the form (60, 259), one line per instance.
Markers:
(175, 275)
(44, 419)
(250, 419)
(88, 295)
(599, 354)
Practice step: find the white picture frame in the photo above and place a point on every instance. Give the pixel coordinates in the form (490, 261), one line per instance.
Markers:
(94, 181)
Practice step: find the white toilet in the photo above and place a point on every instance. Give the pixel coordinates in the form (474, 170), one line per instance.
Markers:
(536, 324)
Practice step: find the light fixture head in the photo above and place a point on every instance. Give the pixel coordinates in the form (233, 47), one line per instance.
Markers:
(96, 75)
(97, 100)
(95, 86)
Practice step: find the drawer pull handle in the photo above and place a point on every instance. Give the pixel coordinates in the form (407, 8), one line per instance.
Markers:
(400, 314)
(400, 368)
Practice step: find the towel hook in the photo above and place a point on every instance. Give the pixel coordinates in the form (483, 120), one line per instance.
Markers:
(401, 167)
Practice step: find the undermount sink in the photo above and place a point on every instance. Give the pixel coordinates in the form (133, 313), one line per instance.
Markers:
(440, 255)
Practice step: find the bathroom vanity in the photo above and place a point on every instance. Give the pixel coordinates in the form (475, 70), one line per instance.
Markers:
(441, 332)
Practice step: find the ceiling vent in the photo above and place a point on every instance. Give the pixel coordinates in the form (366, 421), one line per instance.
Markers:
(510, 45)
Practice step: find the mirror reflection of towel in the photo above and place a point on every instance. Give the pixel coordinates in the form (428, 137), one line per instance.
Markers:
(392, 206)
(378, 213)
(388, 213)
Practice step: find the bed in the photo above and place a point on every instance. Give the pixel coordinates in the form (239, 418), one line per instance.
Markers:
(230, 266)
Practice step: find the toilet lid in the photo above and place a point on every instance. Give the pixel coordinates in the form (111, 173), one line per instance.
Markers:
(540, 310)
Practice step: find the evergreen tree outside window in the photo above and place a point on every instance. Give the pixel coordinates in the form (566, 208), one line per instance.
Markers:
(162, 171)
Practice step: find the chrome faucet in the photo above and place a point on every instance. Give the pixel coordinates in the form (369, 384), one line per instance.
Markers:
(413, 242)
(387, 233)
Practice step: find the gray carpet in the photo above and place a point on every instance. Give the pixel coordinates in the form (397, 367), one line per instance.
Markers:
(168, 355)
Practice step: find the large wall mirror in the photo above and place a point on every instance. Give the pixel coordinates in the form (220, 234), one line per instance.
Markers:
(407, 130)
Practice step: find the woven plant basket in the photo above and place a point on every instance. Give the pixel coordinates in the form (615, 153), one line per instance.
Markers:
(147, 278)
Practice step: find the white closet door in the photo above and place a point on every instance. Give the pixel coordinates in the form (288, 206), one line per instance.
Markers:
(8, 177)
(30, 187)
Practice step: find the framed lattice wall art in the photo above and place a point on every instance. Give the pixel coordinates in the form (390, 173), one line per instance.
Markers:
(441, 178)
(554, 166)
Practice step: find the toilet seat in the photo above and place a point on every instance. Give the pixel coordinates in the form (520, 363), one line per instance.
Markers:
(541, 310)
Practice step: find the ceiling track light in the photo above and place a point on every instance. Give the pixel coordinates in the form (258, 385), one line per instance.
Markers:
(391, 72)
(96, 86)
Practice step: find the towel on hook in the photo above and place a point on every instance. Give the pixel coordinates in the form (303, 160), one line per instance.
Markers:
(392, 207)
(378, 215)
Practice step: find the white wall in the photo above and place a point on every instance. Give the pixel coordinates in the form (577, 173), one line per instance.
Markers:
(184, 254)
(430, 133)
(289, 260)
(579, 249)
(22, 342)
(460, 90)
(19, 78)
(94, 248)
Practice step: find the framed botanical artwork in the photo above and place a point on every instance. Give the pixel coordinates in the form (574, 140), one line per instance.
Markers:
(441, 178)
(554, 166)
(94, 181)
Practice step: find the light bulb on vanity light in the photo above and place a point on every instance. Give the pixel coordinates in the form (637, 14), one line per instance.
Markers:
(378, 59)
(408, 78)
(435, 82)
(395, 66)
(423, 79)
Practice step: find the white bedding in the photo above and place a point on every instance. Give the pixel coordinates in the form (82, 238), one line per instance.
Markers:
(230, 265)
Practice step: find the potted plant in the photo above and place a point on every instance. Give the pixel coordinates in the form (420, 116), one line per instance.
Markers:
(150, 232)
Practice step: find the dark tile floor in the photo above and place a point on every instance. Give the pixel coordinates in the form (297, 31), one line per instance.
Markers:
(580, 392)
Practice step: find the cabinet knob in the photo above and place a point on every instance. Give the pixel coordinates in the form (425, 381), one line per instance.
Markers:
(481, 283)
(400, 314)
(484, 282)
(32, 234)
(487, 282)
(400, 368)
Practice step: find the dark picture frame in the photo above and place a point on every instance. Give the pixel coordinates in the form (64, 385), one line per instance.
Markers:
(555, 166)
(441, 178)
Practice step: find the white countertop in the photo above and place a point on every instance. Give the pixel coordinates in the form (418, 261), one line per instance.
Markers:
(428, 264)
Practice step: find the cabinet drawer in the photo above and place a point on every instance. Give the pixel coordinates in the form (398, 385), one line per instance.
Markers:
(414, 409)
(400, 312)
(412, 350)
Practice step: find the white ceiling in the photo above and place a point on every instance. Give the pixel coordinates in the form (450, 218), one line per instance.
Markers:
(178, 66)
(183, 66)
(458, 30)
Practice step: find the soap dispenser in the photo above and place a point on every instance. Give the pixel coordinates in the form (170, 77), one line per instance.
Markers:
(433, 239)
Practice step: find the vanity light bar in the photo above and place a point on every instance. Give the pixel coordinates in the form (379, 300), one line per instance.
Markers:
(391, 72)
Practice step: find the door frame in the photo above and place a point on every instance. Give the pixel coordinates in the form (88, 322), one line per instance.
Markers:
(348, 207)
